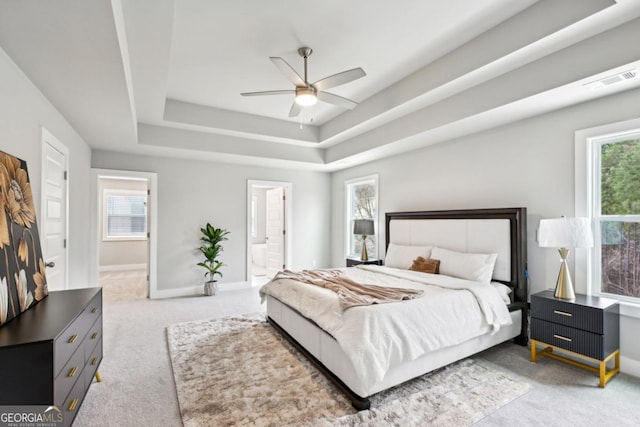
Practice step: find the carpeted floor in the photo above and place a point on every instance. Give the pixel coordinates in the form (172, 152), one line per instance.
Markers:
(137, 387)
(255, 377)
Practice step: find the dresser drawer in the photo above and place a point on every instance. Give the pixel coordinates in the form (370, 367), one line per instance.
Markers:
(576, 340)
(92, 365)
(68, 376)
(68, 342)
(94, 336)
(73, 401)
(94, 309)
(568, 314)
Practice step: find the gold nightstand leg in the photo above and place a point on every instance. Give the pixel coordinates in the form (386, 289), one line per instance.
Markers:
(534, 357)
(98, 377)
(606, 376)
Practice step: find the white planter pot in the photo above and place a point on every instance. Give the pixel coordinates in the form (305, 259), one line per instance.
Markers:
(211, 288)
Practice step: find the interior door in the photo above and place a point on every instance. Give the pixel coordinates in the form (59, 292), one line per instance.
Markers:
(54, 221)
(275, 231)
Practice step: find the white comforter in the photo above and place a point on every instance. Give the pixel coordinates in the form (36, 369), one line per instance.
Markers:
(376, 337)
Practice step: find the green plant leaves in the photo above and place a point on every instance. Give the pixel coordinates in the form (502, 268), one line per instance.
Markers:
(211, 248)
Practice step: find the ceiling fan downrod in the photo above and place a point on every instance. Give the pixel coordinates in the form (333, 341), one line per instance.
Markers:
(305, 52)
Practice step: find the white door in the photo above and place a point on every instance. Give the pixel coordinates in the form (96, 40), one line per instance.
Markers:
(275, 231)
(54, 218)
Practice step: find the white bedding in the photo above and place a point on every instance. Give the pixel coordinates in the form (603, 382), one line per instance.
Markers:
(377, 337)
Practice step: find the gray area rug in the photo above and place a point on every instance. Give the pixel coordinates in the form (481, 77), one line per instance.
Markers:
(240, 371)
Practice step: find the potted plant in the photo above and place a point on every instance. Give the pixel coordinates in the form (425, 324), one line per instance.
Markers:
(211, 247)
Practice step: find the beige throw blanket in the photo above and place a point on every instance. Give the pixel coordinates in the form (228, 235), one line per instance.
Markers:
(350, 293)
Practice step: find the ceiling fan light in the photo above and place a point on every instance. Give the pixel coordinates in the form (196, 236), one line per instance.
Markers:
(306, 96)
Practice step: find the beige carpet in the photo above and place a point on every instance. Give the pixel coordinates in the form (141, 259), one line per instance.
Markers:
(239, 371)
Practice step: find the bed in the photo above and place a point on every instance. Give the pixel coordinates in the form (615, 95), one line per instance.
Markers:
(356, 351)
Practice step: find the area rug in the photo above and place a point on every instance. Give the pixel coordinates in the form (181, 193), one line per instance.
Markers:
(240, 371)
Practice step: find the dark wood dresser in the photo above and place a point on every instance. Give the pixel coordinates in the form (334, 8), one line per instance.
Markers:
(588, 327)
(51, 352)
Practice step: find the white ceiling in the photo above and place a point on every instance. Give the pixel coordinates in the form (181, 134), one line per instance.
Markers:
(164, 77)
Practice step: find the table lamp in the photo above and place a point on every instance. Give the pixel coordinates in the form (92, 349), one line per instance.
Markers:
(364, 228)
(565, 233)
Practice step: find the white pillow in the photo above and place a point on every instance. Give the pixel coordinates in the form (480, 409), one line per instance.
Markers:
(476, 267)
(401, 256)
(503, 290)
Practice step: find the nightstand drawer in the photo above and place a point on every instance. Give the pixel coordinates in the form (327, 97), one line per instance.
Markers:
(568, 314)
(576, 340)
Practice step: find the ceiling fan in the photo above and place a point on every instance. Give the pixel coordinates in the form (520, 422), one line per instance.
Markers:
(306, 93)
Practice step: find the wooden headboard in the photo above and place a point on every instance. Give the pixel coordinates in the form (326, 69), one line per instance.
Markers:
(502, 230)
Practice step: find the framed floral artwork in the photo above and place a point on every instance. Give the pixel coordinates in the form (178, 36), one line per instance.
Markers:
(22, 277)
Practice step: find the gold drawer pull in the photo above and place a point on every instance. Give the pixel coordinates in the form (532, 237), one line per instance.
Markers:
(72, 372)
(94, 335)
(94, 361)
(72, 339)
(94, 309)
(73, 405)
(560, 337)
(563, 313)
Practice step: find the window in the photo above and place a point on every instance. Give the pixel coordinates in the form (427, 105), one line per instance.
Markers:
(361, 203)
(125, 215)
(616, 211)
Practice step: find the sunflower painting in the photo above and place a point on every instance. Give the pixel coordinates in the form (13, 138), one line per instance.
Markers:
(22, 277)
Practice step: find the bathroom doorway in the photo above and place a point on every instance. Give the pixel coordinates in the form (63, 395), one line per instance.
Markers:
(269, 233)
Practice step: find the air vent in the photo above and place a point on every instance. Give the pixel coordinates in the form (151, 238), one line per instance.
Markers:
(610, 80)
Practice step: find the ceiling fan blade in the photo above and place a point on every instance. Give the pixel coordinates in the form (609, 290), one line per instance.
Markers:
(288, 71)
(295, 110)
(269, 92)
(336, 100)
(339, 79)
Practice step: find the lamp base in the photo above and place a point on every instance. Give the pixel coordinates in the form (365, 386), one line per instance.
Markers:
(564, 286)
(363, 255)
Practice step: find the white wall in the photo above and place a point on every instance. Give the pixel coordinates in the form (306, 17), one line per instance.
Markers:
(192, 193)
(528, 163)
(23, 110)
(119, 252)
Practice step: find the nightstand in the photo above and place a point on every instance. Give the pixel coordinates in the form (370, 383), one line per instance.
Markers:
(588, 327)
(357, 261)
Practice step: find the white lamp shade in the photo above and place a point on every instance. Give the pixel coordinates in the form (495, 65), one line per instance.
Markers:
(565, 233)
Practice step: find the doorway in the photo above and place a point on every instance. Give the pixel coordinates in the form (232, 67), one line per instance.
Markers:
(123, 234)
(269, 233)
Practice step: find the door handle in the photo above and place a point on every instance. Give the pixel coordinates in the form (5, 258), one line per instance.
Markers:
(50, 264)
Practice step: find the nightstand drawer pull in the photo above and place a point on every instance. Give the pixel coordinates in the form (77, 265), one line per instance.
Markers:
(560, 337)
(72, 372)
(94, 309)
(94, 335)
(73, 405)
(72, 339)
(563, 313)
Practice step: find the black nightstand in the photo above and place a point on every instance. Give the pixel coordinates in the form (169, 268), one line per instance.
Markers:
(357, 261)
(588, 327)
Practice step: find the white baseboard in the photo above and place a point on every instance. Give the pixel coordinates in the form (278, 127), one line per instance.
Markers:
(197, 290)
(122, 267)
(630, 366)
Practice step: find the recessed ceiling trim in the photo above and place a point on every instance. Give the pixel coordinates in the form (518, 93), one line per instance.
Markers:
(239, 124)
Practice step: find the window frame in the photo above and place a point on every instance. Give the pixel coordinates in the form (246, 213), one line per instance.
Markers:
(118, 192)
(588, 143)
(348, 184)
